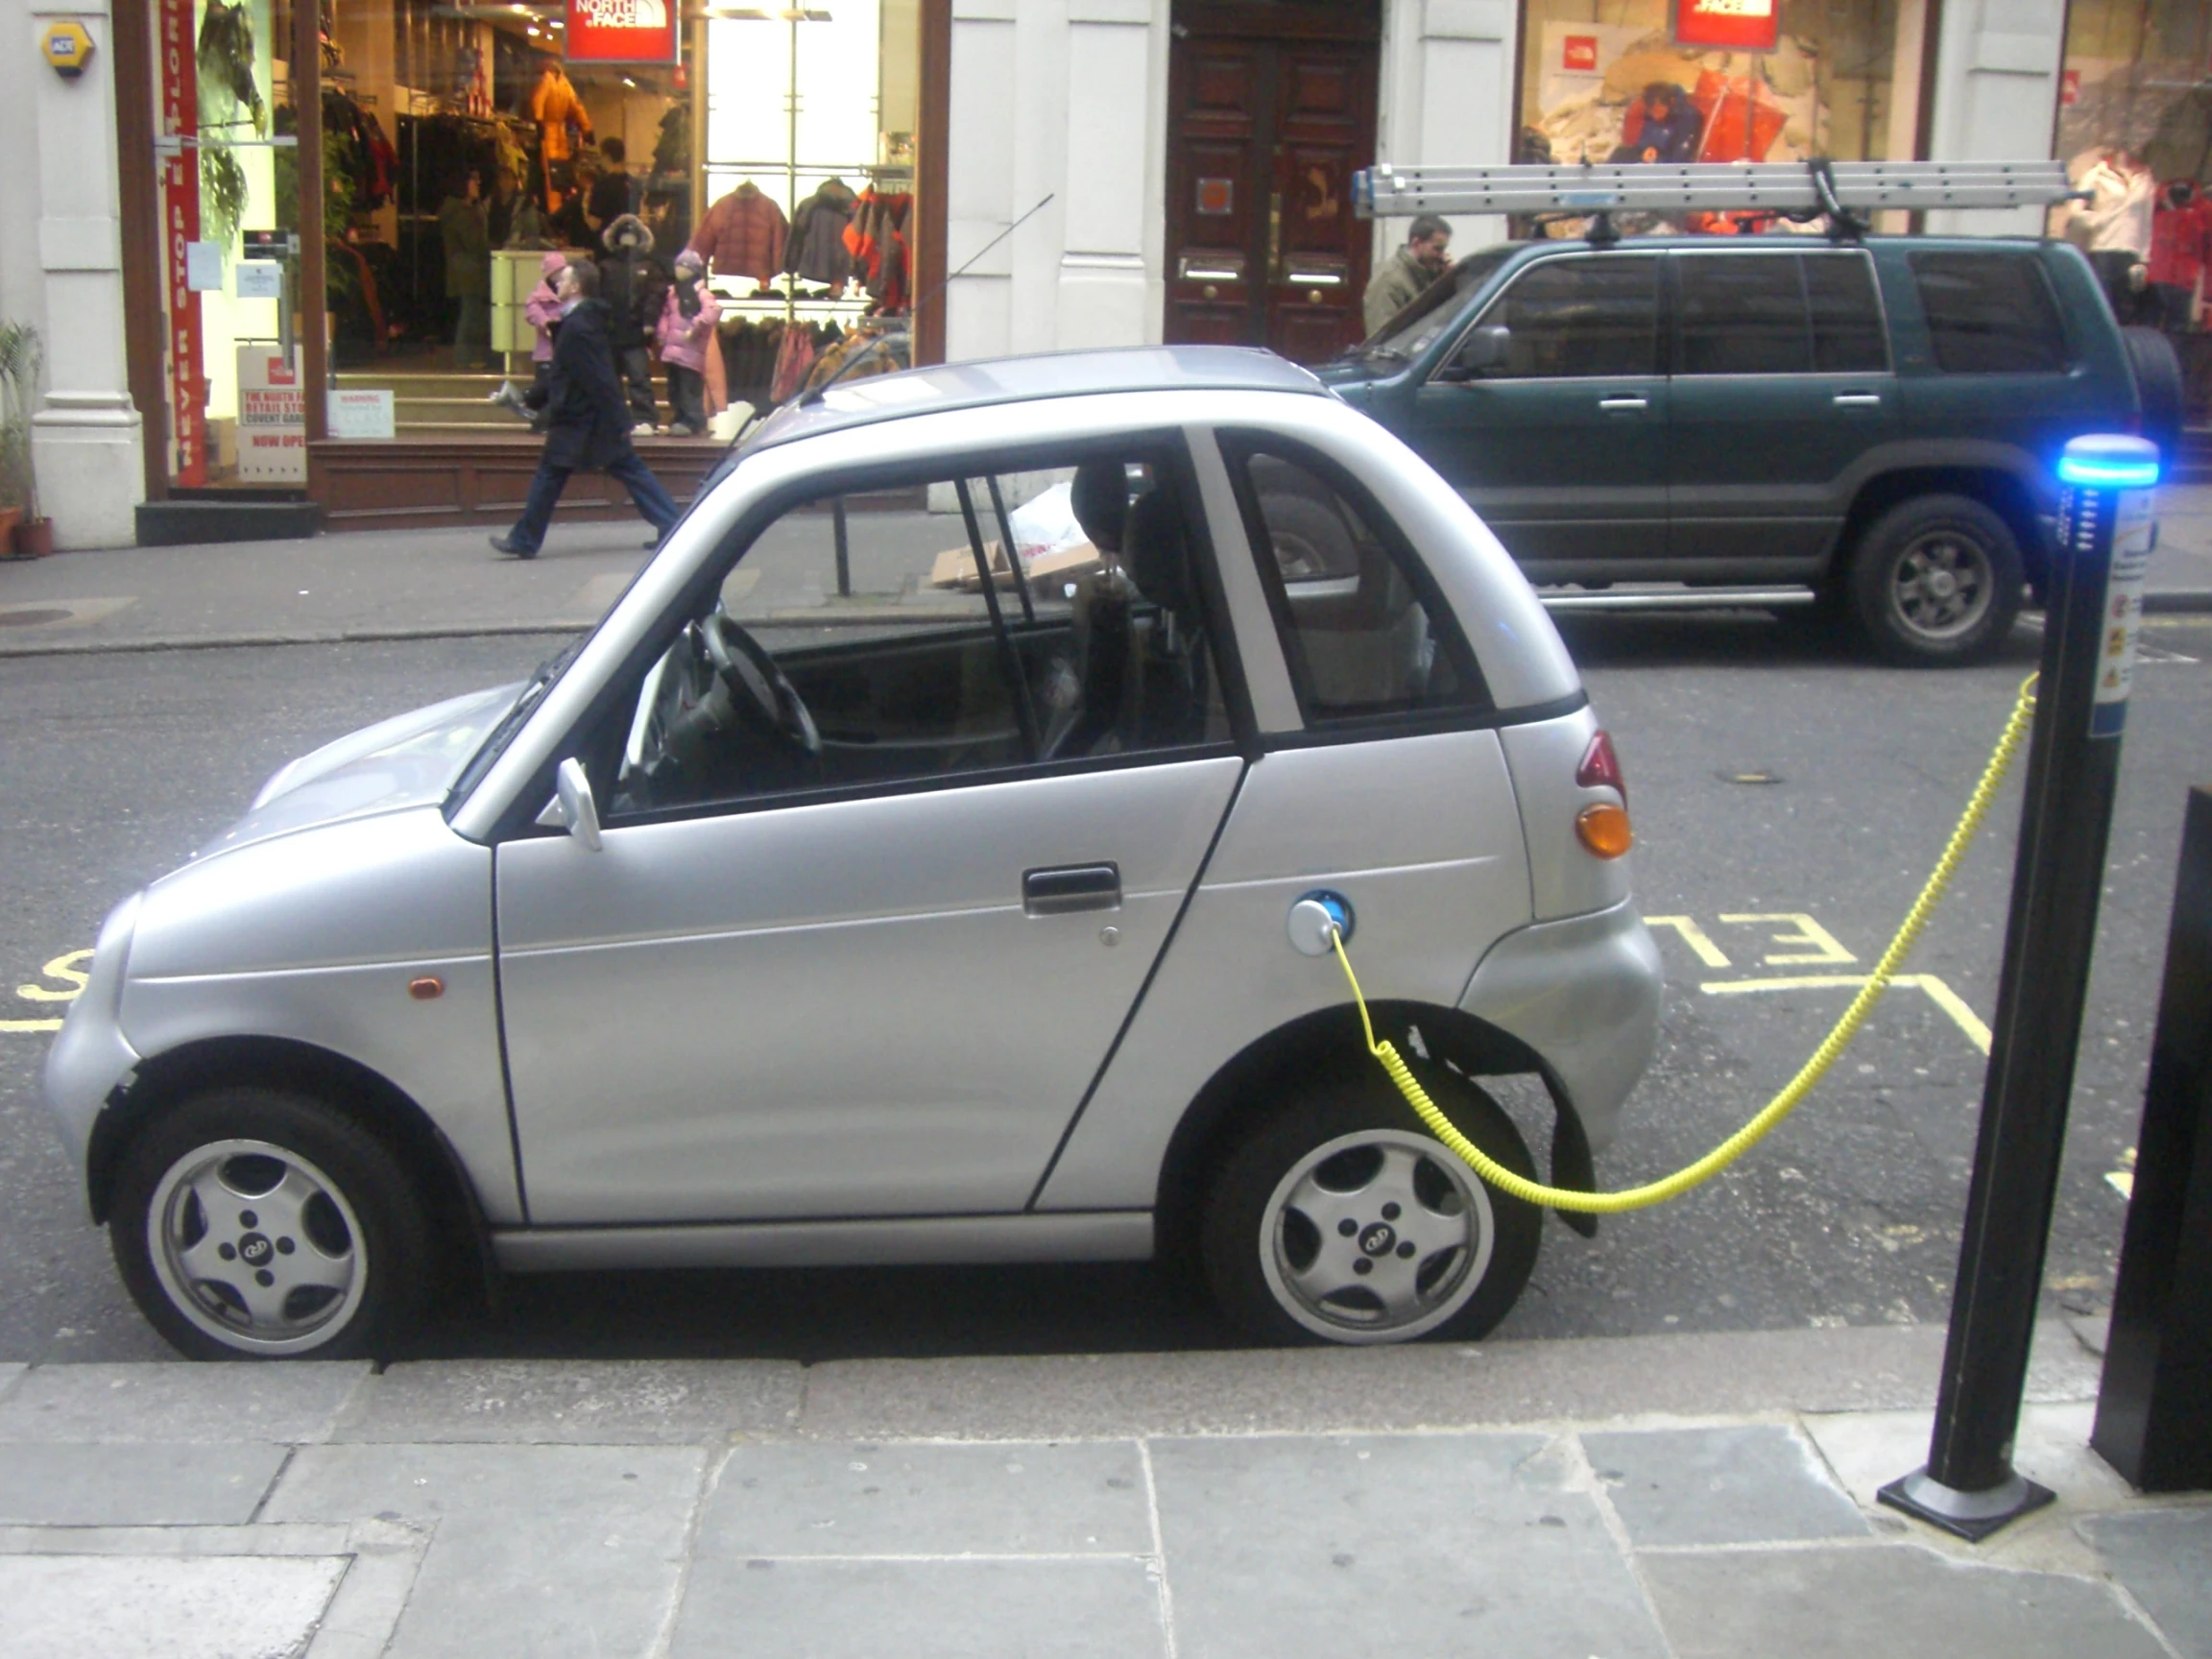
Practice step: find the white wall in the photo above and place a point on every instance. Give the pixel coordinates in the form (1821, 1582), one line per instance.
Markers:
(1997, 65)
(1446, 99)
(1063, 98)
(60, 270)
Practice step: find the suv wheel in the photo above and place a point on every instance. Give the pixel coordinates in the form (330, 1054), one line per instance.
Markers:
(1341, 1221)
(1936, 580)
(252, 1223)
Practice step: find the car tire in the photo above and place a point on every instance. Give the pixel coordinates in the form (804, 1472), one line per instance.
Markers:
(2158, 389)
(1431, 1250)
(1311, 539)
(1936, 582)
(258, 1223)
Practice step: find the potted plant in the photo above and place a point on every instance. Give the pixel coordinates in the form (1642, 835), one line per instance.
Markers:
(26, 534)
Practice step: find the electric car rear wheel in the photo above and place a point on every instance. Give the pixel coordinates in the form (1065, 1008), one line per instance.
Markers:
(1340, 1219)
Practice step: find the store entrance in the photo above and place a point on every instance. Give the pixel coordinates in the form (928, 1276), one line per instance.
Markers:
(1272, 110)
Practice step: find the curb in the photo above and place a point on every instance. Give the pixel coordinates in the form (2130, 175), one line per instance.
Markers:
(2181, 603)
(323, 637)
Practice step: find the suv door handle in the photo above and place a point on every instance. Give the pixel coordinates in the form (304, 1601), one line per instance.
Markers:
(1858, 399)
(1069, 887)
(1623, 403)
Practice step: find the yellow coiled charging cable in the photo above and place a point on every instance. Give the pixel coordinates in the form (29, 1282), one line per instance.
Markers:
(1830, 1048)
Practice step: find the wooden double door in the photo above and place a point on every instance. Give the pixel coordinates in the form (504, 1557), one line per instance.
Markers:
(1271, 110)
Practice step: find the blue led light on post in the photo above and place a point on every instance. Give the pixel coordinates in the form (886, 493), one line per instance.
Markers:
(2092, 615)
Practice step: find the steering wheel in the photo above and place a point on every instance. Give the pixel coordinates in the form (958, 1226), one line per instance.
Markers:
(756, 685)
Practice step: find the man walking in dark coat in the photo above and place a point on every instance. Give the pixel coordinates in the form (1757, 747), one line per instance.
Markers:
(586, 422)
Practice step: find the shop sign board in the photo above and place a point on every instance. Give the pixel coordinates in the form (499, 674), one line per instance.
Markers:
(271, 416)
(1578, 54)
(361, 414)
(622, 31)
(1739, 25)
(179, 231)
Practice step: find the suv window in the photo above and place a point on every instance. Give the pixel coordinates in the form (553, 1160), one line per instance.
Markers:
(1581, 318)
(1778, 314)
(1743, 314)
(1989, 314)
(1362, 630)
(1413, 329)
(1089, 641)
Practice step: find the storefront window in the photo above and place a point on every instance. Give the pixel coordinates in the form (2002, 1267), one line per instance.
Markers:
(228, 188)
(1683, 81)
(469, 150)
(2135, 131)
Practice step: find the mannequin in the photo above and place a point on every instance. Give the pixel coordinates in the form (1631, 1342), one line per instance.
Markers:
(557, 110)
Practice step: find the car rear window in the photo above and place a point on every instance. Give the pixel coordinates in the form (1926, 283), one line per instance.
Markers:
(1778, 314)
(1989, 314)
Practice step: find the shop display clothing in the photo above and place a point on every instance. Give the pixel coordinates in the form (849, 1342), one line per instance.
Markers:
(743, 234)
(1401, 281)
(2181, 237)
(816, 251)
(1662, 135)
(587, 429)
(2117, 216)
(878, 239)
(468, 244)
(1740, 120)
(542, 311)
(794, 360)
(614, 193)
(563, 121)
(687, 336)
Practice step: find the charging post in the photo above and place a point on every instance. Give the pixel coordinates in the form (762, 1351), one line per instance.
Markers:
(2091, 618)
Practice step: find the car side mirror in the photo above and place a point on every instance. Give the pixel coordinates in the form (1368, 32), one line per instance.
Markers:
(572, 808)
(1484, 348)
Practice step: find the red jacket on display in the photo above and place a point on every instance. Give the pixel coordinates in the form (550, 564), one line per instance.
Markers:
(2181, 234)
(742, 234)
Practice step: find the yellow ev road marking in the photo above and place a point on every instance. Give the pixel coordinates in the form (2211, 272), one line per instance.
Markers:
(1826, 946)
(1939, 993)
(1693, 936)
(64, 969)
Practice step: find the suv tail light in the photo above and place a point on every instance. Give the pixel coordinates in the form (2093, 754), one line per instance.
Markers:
(1600, 765)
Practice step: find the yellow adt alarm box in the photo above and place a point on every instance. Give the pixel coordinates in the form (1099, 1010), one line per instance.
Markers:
(68, 48)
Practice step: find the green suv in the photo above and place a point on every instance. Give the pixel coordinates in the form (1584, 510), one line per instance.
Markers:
(1875, 419)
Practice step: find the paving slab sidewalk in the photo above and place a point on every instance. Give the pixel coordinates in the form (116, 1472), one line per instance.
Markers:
(441, 583)
(1685, 1496)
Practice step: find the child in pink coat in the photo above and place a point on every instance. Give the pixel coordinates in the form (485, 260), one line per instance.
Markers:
(686, 334)
(542, 311)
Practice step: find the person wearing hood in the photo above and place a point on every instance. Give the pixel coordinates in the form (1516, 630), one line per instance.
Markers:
(685, 335)
(631, 286)
(587, 423)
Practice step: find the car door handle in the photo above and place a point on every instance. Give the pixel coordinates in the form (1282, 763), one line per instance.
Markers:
(1069, 887)
(1858, 399)
(1614, 404)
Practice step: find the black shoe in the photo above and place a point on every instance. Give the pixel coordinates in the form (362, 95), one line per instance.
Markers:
(508, 545)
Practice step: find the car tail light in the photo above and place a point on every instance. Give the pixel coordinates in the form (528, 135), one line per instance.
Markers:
(1600, 765)
(1604, 829)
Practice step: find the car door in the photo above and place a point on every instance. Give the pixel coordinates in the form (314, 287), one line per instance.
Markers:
(876, 981)
(1782, 384)
(1562, 447)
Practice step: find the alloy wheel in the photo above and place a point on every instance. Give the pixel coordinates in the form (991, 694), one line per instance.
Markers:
(1376, 1237)
(1941, 586)
(257, 1246)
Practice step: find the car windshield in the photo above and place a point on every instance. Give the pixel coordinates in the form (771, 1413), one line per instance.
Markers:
(528, 698)
(1409, 333)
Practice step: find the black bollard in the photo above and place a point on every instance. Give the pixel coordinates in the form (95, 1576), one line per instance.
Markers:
(2154, 1403)
(2095, 608)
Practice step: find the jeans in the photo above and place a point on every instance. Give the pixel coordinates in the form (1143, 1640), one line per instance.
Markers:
(473, 332)
(688, 398)
(654, 503)
(636, 367)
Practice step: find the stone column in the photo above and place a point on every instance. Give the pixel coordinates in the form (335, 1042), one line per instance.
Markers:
(1446, 100)
(1996, 93)
(87, 442)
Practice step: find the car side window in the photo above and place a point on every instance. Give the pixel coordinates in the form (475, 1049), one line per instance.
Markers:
(1989, 313)
(961, 625)
(1847, 333)
(1363, 632)
(1742, 314)
(1579, 318)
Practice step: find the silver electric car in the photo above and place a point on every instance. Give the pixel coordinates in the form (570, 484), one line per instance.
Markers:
(903, 870)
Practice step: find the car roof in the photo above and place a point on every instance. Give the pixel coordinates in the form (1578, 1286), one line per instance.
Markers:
(998, 380)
